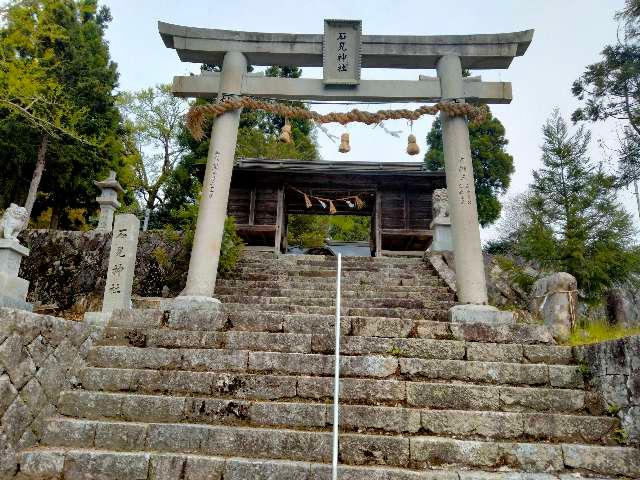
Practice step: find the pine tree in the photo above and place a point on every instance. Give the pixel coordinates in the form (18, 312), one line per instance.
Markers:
(573, 221)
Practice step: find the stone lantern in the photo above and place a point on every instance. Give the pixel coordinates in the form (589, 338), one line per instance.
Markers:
(108, 200)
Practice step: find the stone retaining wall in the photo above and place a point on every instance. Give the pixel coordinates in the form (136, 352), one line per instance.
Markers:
(67, 270)
(614, 367)
(39, 357)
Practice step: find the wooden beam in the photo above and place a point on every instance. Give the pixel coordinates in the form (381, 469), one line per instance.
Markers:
(208, 85)
(279, 220)
(378, 221)
(252, 206)
(480, 51)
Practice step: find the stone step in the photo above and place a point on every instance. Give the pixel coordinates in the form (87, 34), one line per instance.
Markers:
(348, 278)
(435, 395)
(349, 345)
(439, 314)
(349, 302)
(431, 293)
(313, 285)
(355, 449)
(477, 425)
(297, 268)
(314, 364)
(84, 464)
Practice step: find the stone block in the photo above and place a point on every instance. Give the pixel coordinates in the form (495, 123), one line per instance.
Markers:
(381, 327)
(7, 393)
(494, 352)
(288, 414)
(274, 342)
(352, 389)
(122, 261)
(565, 376)
(490, 425)
(453, 396)
(42, 464)
(389, 419)
(197, 319)
(11, 253)
(541, 399)
(187, 467)
(479, 314)
(603, 460)
(15, 420)
(374, 450)
(69, 433)
(550, 354)
(88, 465)
(120, 436)
(569, 428)
(213, 360)
(554, 298)
(519, 456)
(241, 469)
(130, 318)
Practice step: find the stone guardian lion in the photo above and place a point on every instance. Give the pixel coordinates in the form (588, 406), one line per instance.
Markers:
(13, 221)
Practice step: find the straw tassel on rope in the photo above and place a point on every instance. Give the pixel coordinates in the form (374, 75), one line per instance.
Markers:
(412, 147)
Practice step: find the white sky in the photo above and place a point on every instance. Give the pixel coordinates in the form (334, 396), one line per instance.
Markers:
(569, 34)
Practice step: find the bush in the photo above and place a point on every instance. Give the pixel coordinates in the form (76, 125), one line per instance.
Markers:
(232, 247)
(598, 331)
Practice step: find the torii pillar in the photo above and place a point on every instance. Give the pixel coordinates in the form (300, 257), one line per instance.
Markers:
(205, 254)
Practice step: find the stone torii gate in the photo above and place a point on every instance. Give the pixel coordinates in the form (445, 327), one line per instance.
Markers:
(341, 51)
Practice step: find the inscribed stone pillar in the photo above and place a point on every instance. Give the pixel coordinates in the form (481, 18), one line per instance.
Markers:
(470, 277)
(122, 262)
(205, 253)
(108, 200)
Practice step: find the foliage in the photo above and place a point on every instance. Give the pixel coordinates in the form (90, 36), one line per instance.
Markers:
(312, 230)
(231, 249)
(610, 89)
(492, 165)
(517, 274)
(570, 219)
(621, 436)
(56, 79)
(153, 122)
(599, 331)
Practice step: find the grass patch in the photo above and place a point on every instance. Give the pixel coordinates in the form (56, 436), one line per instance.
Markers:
(599, 331)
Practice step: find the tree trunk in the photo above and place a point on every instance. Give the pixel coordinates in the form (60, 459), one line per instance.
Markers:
(37, 175)
(55, 218)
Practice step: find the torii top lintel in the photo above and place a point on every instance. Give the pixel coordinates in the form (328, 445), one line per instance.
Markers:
(481, 51)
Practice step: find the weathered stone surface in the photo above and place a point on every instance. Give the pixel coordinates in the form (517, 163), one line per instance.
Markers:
(603, 460)
(374, 449)
(352, 389)
(614, 369)
(42, 464)
(541, 399)
(481, 372)
(554, 299)
(467, 424)
(384, 418)
(451, 396)
(494, 352)
(381, 327)
(87, 465)
(521, 456)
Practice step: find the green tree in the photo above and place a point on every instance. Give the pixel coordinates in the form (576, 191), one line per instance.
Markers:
(57, 106)
(610, 89)
(492, 165)
(154, 122)
(570, 220)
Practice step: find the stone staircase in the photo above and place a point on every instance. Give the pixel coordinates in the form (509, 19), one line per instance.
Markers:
(248, 395)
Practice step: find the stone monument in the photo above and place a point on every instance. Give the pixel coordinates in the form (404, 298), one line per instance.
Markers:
(108, 200)
(122, 262)
(441, 223)
(13, 289)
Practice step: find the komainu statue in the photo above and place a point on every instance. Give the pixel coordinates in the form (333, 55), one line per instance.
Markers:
(440, 204)
(13, 221)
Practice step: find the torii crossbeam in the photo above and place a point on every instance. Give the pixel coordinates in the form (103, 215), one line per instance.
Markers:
(342, 51)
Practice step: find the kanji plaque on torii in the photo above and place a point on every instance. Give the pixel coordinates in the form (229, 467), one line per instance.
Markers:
(341, 50)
